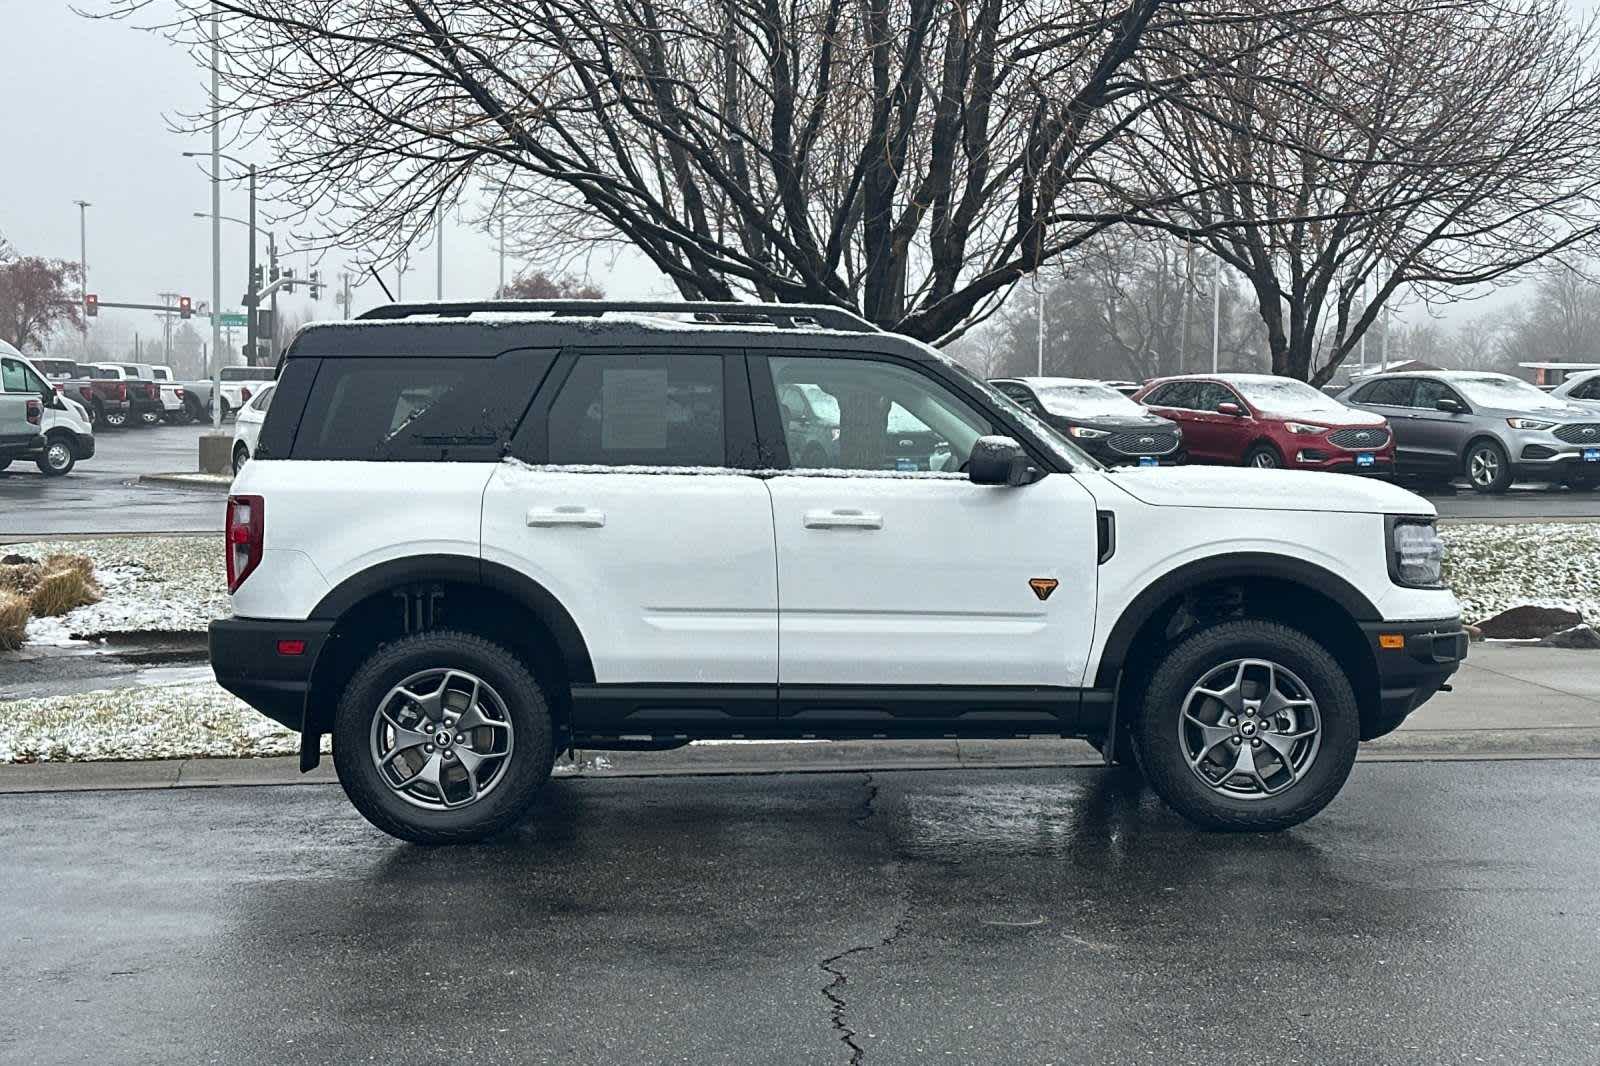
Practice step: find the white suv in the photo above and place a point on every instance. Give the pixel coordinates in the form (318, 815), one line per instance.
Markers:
(475, 535)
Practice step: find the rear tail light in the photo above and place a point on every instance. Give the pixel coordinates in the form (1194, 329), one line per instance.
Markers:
(59, 390)
(178, 392)
(244, 395)
(35, 412)
(246, 529)
(122, 390)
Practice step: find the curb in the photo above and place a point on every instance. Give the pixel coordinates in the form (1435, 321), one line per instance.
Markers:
(760, 758)
(192, 482)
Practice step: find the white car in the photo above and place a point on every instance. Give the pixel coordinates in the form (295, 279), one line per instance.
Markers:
(1581, 389)
(247, 427)
(67, 431)
(465, 545)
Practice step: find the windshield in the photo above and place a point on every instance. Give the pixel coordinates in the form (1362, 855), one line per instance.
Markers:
(1047, 434)
(1086, 400)
(1288, 397)
(1502, 390)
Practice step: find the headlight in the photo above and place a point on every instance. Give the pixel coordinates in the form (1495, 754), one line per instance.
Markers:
(1416, 553)
(1088, 434)
(1528, 423)
(1304, 428)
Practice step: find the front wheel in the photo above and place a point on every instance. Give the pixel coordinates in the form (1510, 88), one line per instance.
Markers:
(1247, 725)
(1264, 457)
(58, 457)
(1488, 468)
(442, 738)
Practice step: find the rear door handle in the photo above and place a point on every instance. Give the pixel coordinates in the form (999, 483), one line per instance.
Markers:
(566, 515)
(843, 518)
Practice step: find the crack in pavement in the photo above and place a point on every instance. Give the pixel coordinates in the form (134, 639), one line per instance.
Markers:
(833, 991)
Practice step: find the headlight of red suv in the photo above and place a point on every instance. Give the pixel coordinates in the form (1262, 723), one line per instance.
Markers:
(1304, 428)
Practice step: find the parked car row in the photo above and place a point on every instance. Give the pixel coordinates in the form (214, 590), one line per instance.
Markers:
(131, 394)
(1438, 425)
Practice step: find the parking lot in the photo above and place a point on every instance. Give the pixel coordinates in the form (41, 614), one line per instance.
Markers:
(103, 494)
(1439, 912)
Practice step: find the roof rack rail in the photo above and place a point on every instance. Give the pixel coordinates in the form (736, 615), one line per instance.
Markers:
(784, 316)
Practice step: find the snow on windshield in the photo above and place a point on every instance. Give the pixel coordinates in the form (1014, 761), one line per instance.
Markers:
(1086, 401)
(1501, 390)
(1288, 397)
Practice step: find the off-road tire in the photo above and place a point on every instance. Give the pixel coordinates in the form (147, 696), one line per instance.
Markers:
(1156, 730)
(530, 759)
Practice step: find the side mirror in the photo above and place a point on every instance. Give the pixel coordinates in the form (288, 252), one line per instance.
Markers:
(1445, 403)
(1228, 407)
(999, 461)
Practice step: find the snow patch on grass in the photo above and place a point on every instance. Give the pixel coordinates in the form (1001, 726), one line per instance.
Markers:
(1491, 568)
(176, 721)
(151, 584)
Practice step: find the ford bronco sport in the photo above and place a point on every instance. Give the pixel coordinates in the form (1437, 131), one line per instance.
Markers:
(476, 535)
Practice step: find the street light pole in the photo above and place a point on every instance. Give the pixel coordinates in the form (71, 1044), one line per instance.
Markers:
(500, 293)
(1216, 317)
(438, 245)
(83, 265)
(216, 229)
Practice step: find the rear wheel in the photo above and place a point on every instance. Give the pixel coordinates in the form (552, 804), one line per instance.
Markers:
(442, 738)
(114, 419)
(150, 418)
(241, 456)
(58, 457)
(1247, 725)
(1264, 457)
(1488, 467)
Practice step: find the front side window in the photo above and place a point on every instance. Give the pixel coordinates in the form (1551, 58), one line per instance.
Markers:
(1184, 395)
(1210, 396)
(656, 410)
(875, 416)
(11, 379)
(1430, 392)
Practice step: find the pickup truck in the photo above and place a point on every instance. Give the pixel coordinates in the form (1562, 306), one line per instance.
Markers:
(144, 394)
(239, 383)
(176, 406)
(103, 394)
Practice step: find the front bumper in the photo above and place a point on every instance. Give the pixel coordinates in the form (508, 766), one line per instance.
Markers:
(82, 446)
(246, 659)
(1420, 658)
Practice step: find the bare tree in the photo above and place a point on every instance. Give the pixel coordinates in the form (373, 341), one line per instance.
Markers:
(1433, 145)
(911, 159)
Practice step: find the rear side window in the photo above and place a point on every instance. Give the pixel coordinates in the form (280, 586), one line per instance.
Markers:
(416, 410)
(652, 409)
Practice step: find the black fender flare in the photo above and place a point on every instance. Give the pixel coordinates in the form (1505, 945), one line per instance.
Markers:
(1221, 568)
(467, 570)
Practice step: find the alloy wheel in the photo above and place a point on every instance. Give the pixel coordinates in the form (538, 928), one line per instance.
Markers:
(1250, 729)
(1484, 466)
(1264, 460)
(441, 739)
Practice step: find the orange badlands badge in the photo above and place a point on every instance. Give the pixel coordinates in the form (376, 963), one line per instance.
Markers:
(1043, 586)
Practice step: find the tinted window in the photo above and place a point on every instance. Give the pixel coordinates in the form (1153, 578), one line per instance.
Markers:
(1430, 392)
(263, 399)
(1589, 390)
(1183, 394)
(1395, 392)
(417, 410)
(652, 409)
(1210, 394)
(884, 417)
(247, 373)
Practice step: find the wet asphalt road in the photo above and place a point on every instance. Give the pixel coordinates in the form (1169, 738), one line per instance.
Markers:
(1436, 912)
(101, 495)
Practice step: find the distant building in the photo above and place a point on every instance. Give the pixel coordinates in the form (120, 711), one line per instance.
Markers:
(1349, 372)
(1549, 375)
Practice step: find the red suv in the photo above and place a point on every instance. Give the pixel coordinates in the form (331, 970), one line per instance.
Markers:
(1268, 421)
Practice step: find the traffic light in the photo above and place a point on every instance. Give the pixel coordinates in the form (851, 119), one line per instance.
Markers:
(316, 285)
(91, 304)
(288, 279)
(185, 307)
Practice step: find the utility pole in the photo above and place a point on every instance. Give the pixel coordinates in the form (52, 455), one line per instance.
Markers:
(500, 293)
(1039, 301)
(250, 300)
(1183, 307)
(344, 276)
(166, 327)
(1216, 317)
(215, 354)
(83, 265)
(438, 248)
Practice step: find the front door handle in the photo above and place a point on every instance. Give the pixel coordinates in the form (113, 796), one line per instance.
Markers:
(566, 515)
(843, 518)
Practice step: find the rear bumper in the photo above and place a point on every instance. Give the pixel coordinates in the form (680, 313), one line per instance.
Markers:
(1410, 673)
(247, 662)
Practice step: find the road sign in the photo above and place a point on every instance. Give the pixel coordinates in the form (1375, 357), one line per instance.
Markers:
(231, 319)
